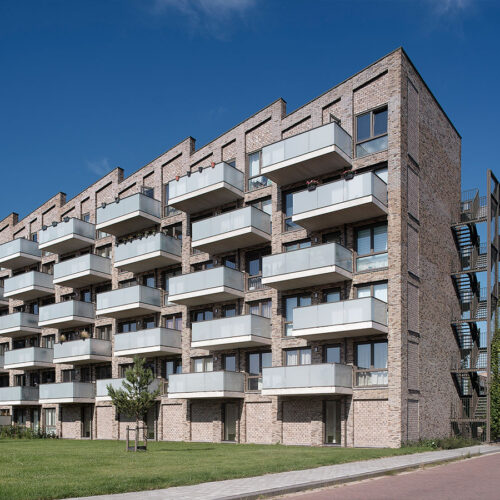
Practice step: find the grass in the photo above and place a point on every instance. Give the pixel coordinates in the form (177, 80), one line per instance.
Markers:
(46, 469)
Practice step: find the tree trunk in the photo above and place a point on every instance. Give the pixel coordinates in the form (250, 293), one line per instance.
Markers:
(136, 433)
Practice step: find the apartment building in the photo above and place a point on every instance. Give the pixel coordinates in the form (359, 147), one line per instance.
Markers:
(289, 282)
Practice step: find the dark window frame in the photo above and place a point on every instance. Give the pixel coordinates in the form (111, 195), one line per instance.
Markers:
(372, 112)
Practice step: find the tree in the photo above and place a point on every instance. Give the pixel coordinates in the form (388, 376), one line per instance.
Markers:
(135, 398)
(495, 382)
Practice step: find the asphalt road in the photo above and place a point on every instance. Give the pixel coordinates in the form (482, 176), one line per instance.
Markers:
(474, 478)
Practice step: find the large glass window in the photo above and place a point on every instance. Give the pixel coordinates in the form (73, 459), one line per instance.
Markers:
(202, 315)
(260, 308)
(371, 247)
(331, 354)
(169, 210)
(254, 269)
(377, 290)
(255, 180)
(255, 362)
(300, 356)
(289, 225)
(296, 245)
(171, 367)
(173, 321)
(230, 362)
(371, 132)
(203, 364)
(371, 363)
(290, 303)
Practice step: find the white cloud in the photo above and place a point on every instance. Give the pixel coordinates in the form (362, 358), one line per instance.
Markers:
(450, 6)
(99, 167)
(210, 14)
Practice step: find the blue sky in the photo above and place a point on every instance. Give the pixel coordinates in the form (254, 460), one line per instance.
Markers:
(90, 85)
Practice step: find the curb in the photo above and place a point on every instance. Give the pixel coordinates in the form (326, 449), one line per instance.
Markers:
(272, 492)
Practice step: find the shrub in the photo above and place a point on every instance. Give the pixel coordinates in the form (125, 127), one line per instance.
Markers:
(23, 432)
(449, 443)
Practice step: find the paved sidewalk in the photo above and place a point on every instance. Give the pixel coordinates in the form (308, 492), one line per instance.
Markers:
(288, 482)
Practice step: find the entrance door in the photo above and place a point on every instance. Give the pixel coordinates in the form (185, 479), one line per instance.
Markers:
(151, 422)
(20, 416)
(87, 412)
(36, 419)
(332, 422)
(230, 419)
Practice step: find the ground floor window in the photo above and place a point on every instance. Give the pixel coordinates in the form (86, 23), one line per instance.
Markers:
(50, 420)
(371, 363)
(332, 421)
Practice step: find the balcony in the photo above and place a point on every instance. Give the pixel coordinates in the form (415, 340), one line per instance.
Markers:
(18, 396)
(128, 215)
(3, 300)
(2, 365)
(335, 320)
(206, 385)
(341, 202)
(128, 302)
(139, 255)
(205, 287)
(318, 265)
(67, 392)
(232, 230)
(67, 314)
(82, 351)
(207, 189)
(19, 324)
(82, 271)
(29, 286)
(67, 236)
(306, 380)
(19, 253)
(116, 383)
(29, 357)
(231, 333)
(152, 342)
(319, 151)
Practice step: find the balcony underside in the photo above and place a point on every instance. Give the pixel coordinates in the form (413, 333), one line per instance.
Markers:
(206, 198)
(128, 310)
(338, 214)
(207, 296)
(149, 351)
(232, 240)
(66, 322)
(17, 260)
(23, 402)
(67, 243)
(72, 400)
(145, 262)
(206, 395)
(310, 277)
(129, 223)
(82, 359)
(29, 293)
(314, 164)
(241, 341)
(308, 391)
(82, 279)
(341, 331)
(19, 331)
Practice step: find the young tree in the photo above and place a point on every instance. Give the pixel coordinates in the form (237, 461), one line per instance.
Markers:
(135, 398)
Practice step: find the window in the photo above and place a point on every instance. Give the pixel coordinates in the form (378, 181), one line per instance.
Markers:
(85, 296)
(34, 237)
(171, 367)
(48, 377)
(255, 180)
(264, 204)
(148, 191)
(294, 357)
(331, 354)
(86, 217)
(261, 308)
(296, 245)
(229, 261)
(19, 380)
(289, 225)
(203, 364)
(371, 248)
(104, 251)
(149, 280)
(255, 362)
(377, 290)
(149, 322)
(371, 132)
(203, 266)
(127, 326)
(229, 311)
(48, 341)
(230, 362)
(103, 372)
(103, 332)
(173, 321)
(68, 375)
(254, 269)
(290, 303)
(371, 363)
(122, 369)
(127, 283)
(50, 420)
(332, 237)
(202, 315)
(165, 276)
(332, 295)
(168, 211)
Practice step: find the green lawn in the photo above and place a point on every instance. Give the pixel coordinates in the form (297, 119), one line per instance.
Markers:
(34, 469)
